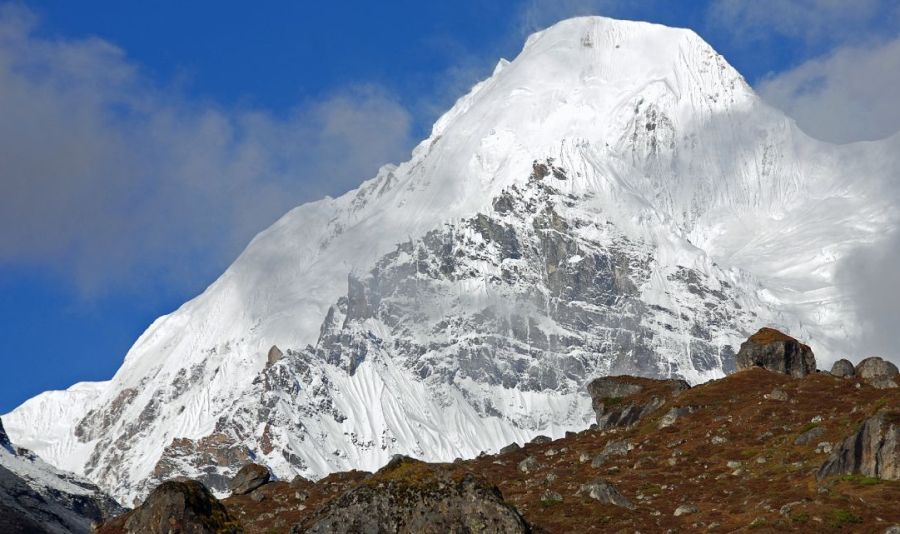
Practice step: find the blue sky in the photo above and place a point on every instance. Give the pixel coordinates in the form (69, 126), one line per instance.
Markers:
(143, 144)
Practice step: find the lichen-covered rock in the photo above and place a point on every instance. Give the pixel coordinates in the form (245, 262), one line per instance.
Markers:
(843, 368)
(777, 352)
(876, 368)
(621, 401)
(250, 477)
(873, 450)
(183, 506)
(414, 497)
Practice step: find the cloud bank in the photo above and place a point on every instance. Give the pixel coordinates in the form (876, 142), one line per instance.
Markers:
(847, 95)
(811, 21)
(117, 183)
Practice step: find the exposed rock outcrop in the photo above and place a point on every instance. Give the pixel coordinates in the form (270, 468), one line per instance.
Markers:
(874, 450)
(183, 506)
(250, 477)
(777, 352)
(414, 497)
(621, 401)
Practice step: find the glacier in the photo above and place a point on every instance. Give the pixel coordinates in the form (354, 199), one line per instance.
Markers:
(616, 199)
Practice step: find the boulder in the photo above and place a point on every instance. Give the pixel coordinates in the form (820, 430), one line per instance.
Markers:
(685, 509)
(606, 493)
(873, 450)
(250, 477)
(621, 401)
(876, 368)
(776, 394)
(512, 447)
(177, 506)
(613, 448)
(551, 497)
(843, 368)
(777, 352)
(540, 440)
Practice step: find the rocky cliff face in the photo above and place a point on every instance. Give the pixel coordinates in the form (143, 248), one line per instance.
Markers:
(872, 451)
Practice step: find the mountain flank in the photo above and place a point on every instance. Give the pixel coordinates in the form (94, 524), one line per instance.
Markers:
(759, 450)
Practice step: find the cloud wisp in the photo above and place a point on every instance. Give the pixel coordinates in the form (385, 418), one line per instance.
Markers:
(847, 95)
(118, 183)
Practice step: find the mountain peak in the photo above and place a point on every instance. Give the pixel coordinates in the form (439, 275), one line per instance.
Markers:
(614, 200)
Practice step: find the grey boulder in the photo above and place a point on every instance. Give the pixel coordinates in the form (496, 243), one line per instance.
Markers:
(843, 368)
(250, 477)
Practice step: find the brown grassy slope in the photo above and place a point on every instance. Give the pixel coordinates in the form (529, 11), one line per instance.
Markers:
(773, 490)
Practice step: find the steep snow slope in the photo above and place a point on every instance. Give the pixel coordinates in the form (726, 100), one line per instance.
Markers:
(616, 199)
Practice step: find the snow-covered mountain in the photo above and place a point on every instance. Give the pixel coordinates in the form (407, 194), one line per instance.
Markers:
(36, 497)
(614, 200)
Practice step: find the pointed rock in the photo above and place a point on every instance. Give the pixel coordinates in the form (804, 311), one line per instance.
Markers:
(274, 355)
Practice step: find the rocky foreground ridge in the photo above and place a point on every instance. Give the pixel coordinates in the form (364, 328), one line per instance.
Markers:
(777, 446)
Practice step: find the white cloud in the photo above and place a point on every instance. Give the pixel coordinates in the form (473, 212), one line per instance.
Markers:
(809, 20)
(116, 181)
(848, 95)
(872, 276)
